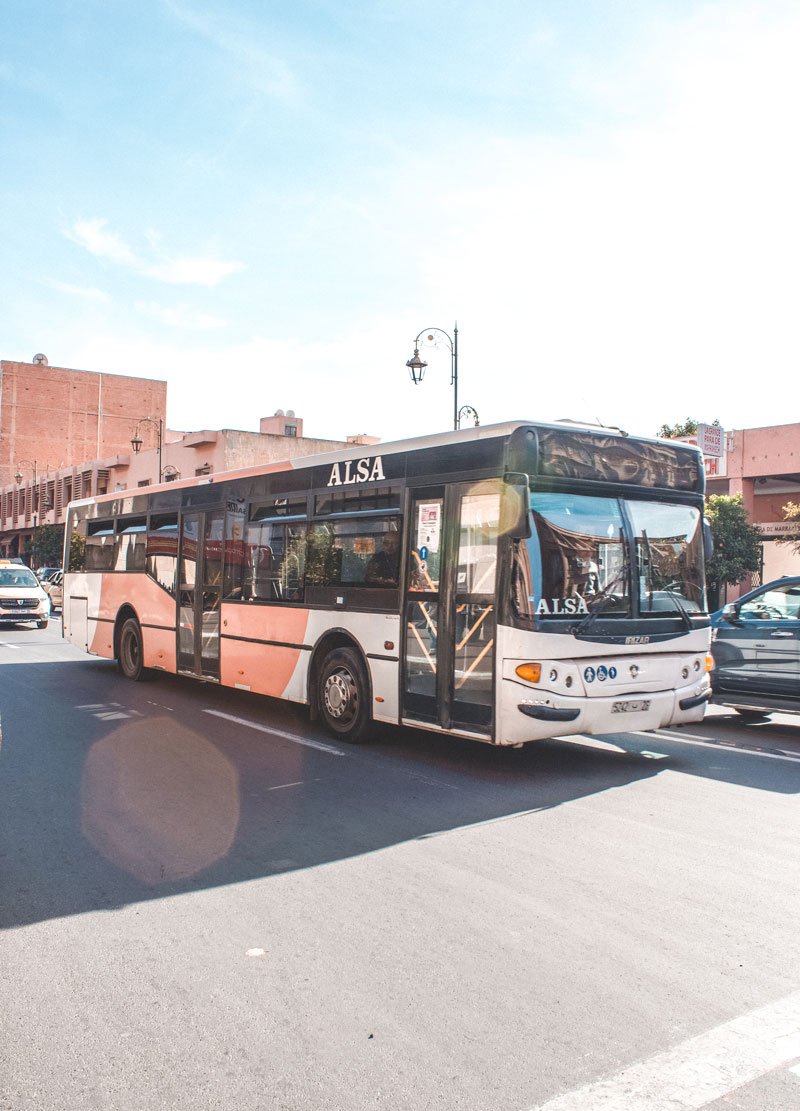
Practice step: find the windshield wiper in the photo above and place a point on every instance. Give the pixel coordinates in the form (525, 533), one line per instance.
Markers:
(680, 609)
(604, 601)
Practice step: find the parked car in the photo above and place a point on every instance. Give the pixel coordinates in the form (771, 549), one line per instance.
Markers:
(44, 574)
(21, 595)
(755, 642)
(54, 588)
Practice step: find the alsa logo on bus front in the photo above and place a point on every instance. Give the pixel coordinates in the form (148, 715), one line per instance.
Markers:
(555, 606)
(357, 470)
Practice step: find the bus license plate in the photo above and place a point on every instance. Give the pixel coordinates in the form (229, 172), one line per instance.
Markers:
(630, 706)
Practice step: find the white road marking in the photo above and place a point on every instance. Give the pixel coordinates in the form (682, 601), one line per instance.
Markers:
(277, 733)
(700, 1070)
(588, 741)
(281, 786)
(690, 739)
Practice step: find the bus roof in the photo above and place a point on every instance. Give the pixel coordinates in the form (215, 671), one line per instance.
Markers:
(502, 431)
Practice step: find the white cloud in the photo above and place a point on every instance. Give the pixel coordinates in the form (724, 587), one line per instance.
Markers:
(88, 293)
(193, 271)
(356, 383)
(180, 316)
(94, 236)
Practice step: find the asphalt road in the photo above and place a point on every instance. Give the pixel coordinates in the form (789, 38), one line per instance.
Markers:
(207, 902)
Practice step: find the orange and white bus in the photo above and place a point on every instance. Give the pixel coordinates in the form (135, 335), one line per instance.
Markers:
(505, 583)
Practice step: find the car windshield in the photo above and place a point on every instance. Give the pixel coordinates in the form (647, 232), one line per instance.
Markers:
(17, 576)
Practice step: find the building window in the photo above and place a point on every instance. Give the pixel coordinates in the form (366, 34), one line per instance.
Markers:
(290, 430)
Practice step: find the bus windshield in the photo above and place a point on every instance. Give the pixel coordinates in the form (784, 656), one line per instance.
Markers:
(581, 562)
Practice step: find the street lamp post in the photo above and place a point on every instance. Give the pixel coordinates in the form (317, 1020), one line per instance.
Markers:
(416, 366)
(136, 441)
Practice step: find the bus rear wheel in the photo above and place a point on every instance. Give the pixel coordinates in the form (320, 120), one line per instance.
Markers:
(130, 656)
(344, 696)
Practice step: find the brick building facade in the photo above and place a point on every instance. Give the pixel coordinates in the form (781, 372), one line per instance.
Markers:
(55, 417)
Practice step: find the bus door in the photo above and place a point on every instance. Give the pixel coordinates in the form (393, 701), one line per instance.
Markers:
(200, 593)
(474, 621)
(449, 647)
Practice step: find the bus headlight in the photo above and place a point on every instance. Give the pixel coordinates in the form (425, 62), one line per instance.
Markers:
(531, 673)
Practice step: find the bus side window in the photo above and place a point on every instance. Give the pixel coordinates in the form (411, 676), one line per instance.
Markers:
(267, 564)
(76, 555)
(100, 546)
(162, 549)
(234, 556)
(131, 536)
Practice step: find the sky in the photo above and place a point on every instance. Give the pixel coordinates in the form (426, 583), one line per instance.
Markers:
(264, 204)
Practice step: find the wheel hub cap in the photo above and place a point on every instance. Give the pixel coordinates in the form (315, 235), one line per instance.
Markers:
(337, 695)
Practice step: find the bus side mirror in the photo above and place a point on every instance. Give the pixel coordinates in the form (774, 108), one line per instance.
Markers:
(708, 540)
(515, 505)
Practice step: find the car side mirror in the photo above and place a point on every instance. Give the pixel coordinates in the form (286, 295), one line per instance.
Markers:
(731, 614)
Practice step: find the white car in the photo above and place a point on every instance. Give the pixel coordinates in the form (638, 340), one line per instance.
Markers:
(21, 596)
(54, 588)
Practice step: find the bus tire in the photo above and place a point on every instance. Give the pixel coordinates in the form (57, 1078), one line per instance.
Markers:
(343, 695)
(131, 654)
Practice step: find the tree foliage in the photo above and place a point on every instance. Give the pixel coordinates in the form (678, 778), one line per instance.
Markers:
(687, 428)
(737, 544)
(792, 513)
(46, 548)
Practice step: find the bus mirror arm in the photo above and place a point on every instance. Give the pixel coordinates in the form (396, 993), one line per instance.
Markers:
(515, 505)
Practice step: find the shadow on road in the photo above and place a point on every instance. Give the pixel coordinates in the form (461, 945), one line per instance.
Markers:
(153, 791)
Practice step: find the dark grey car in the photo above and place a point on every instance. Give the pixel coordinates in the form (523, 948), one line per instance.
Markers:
(755, 642)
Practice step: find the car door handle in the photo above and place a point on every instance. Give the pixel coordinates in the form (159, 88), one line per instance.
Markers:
(781, 634)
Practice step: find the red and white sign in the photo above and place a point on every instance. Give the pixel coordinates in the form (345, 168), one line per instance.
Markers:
(711, 439)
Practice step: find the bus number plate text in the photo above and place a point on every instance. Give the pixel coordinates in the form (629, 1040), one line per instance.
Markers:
(630, 706)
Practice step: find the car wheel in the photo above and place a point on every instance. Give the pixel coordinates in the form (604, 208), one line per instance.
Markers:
(41, 624)
(343, 694)
(131, 655)
(752, 715)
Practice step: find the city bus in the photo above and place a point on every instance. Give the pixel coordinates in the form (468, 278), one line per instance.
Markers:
(504, 583)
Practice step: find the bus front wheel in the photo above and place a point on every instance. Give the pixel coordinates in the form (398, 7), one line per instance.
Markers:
(130, 657)
(344, 696)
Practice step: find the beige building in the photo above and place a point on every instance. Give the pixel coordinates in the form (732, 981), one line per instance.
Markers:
(26, 505)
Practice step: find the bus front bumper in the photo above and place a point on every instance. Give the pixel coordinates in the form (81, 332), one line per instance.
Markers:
(530, 716)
